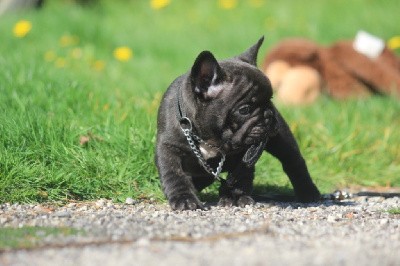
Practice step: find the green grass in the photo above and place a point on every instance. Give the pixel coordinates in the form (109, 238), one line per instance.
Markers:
(28, 237)
(51, 94)
(394, 211)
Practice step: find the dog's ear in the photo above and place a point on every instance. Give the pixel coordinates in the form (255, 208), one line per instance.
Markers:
(205, 75)
(250, 55)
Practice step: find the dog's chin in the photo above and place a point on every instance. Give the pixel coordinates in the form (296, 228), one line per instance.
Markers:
(252, 141)
(254, 137)
(234, 148)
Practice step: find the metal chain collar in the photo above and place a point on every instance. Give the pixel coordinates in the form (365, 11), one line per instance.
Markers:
(186, 126)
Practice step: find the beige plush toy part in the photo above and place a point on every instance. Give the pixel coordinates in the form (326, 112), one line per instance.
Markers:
(300, 70)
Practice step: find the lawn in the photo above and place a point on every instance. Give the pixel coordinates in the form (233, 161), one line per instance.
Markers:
(78, 115)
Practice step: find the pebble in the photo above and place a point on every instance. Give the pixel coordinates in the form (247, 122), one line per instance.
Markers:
(384, 221)
(62, 214)
(3, 220)
(83, 208)
(129, 201)
(100, 203)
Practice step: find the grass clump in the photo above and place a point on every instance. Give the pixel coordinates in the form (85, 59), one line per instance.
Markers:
(394, 211)
(30, 236)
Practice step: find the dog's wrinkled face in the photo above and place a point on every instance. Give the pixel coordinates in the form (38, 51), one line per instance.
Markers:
(251, 117)
(233, 101)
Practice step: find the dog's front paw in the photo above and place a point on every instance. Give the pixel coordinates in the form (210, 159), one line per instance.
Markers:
(185, 202)
(226, 202)
(245, 200)
(241, 201)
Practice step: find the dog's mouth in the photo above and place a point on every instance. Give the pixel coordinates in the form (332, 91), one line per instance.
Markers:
(256, 141)
(253, 146)
(255, 136)
(250, 139)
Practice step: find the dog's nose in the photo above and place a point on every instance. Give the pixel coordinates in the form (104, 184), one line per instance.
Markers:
(268, 114)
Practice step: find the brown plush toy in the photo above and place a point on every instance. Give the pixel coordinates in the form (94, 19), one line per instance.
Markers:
(300, 70)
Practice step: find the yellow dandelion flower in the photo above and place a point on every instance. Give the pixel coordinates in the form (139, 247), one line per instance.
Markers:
(68, 40)
(76, 53)
(60, 62)
(22, 28)
(159, 4)
(99, 65)
(123, 53)
(227, 4)
(270, 23)
(106, 107)
(50, 56)
(256, 3)
(394, 43)
(123, 117)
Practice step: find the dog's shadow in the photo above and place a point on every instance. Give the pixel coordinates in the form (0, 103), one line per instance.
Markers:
(274, 195)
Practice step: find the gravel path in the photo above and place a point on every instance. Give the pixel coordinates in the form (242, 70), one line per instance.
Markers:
(359, 231)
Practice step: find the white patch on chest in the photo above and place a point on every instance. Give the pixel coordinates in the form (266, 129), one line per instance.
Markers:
(207, 151)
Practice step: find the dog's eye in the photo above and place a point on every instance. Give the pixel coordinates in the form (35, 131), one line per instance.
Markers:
(244, 110)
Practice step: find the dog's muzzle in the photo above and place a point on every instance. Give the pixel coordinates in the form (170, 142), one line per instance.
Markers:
(270, 127)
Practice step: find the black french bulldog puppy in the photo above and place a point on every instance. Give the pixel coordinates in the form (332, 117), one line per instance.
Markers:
(219, 117)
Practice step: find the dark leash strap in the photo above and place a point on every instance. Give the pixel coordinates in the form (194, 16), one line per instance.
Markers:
(342, 195)
(180, 111)
(337, 195)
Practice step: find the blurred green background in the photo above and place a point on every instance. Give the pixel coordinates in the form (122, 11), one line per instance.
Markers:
(80, 85)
